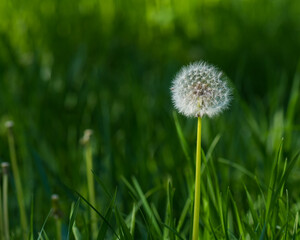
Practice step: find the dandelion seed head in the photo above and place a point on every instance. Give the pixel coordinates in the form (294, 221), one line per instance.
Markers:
(56, 212)
(9, 124)
(200, 89)
(5, 167)
(86, 136)
(54, 197)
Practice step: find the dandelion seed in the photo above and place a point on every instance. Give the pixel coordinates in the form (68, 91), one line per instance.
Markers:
(200, 89)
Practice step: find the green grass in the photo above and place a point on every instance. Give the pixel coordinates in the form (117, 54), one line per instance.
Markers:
(67, 66)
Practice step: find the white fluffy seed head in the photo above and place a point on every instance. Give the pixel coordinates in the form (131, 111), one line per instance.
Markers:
(200, 89)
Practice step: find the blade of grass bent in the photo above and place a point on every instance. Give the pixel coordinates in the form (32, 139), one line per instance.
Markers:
(104, 226)
(76, 232)
(45, 236)
(44, 224)
(146, 206)
(128, 185)
(123, 225)
(172, 230)
(73, 214)
(183, 214)
(108, 194)
(99, 214)
(236, 166)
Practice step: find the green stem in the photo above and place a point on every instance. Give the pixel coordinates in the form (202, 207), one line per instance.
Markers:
(17, 179)
(1, 214)
(91, 188)
(5, 205)
(58, 229)
(132, 224)
(197, 184)
(56, 214)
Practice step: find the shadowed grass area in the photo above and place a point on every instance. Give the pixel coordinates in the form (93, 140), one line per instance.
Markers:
(67, 66)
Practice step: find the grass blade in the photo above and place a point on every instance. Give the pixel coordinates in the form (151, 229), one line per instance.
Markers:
(146, 206)
(108, 194)
(131, 188)
(104, 226)
(99, 214)
(30, 237)
(183, 214)
(209, 152)
(237, 216)
(73, 214)
(170, 218)
(292, 106)
(124, 228)
(287, 214)
(182, 140)
(212, 230)
(172, 230)
(251, 206)
(44, 224)
(132, 223)
(236, 166)
(295, 230)
(273, 180)
(76, 232)
(222, 216)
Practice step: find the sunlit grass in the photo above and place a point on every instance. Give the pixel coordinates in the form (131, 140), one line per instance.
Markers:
(267, 213)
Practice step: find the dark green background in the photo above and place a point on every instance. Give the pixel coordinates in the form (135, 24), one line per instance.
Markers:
(69, 65)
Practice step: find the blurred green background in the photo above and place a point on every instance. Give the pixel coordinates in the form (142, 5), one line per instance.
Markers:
(67, 65)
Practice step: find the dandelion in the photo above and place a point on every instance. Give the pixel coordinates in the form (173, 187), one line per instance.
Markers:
(86, 142)
(200, 89)
(57, 214)
(5, 170)
(18, 182)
